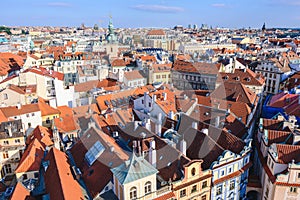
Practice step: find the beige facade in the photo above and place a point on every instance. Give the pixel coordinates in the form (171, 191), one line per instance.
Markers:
(196, 183)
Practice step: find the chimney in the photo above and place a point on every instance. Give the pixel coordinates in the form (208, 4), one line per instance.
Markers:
(91, 124)
(139, 148)
(154, 97)
(9, 129)
(134, 146)
(152, 155)
(136, 125)
(19, 105)
(171, 115)
(185, 97)
(164, 96)
(195, 125)
(148, 124)
(183, 146)
(217, 121)
(205, 131)
(145, 98)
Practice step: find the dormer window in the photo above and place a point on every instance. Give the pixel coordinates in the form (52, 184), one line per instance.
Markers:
(193, 172)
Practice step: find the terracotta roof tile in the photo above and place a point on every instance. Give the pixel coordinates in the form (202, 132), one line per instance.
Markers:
(42, 134)
(20, 192)
(287, 153)
(31, 158)
(59, 172)
(156, 32)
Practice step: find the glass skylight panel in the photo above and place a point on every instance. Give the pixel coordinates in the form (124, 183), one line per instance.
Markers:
(94, 152)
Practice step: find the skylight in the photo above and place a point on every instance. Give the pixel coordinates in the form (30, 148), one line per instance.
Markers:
(94, 152)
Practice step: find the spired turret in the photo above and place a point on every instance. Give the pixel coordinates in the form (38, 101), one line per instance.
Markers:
(111, 37)
(263, 27)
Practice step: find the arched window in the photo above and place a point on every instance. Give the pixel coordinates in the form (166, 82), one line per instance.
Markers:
(193, 172)
(133, 193)
(148, 187)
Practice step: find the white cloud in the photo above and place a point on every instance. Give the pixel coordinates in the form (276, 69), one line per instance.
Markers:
(158, 8)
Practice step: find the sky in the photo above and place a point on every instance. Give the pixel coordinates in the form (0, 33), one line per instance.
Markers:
(152, 13)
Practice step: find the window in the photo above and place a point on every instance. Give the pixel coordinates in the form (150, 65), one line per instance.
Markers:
(25, 177)
(148, 187)
(183, 193)
(5, 96)
(36, 175)
(133, 193)
(204, 184)
(229, 170)
(193, 172)
(219, 190)
(5, 154)
(194, 188)
(27, 115)
(203, 197)
(232, 185)
(17, 141)
(222, 173)
(94, 152)
(7, 168)
(293, 189)
(272, 165)
(298, 175)
(142, 101)
(32, 114)
(6, 142)
(149, 104)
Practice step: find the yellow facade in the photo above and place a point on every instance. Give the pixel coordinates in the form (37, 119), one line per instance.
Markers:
(196, 183)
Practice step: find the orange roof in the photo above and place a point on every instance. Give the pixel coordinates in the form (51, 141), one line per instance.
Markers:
(118, 63)
(20, 192)
(59, 172)
(167, 196)
(133, 75)
(44, 72)
(14, 111)
(66, 122)
(8, 62)
(42, 134)
(32, 157)
(156, 32)
(46, 109)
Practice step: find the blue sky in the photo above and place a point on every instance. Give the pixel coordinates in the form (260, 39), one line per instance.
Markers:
(152, 13)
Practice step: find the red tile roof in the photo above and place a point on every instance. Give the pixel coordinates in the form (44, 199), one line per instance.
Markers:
(167, 196)
(156, 32)
(32, 157)
(133, 75)
(8, 62)
(118, 63)
(197, 67)
(286, 153)
(42, 134)
(59, 172)
(20, 192)
(44, 72)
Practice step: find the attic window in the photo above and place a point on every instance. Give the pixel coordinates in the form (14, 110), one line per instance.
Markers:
(94, 152)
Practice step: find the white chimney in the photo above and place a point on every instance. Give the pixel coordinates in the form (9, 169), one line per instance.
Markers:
(159, 118)
(158, 129)
(183, 147)
(205, 131)
(134, 146)
(19, 105)
(164, 96)
(9, 129)
(91, 124)
(136, 125)
(217, 121)
(154, 97)
(152, 157)
(171, 115)
(195, 125)
(148, 124)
